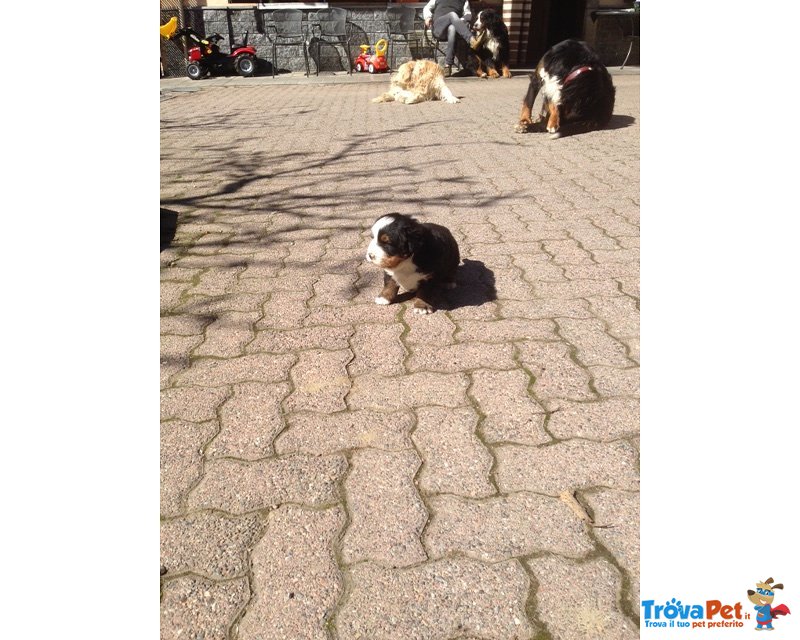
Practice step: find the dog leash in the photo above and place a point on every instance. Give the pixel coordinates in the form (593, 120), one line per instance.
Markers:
(575, 73)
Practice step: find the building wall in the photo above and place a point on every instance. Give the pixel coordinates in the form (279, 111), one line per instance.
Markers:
(367, 25)
(606, 35)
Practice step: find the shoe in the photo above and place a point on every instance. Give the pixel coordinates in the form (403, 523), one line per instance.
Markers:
(448, 70)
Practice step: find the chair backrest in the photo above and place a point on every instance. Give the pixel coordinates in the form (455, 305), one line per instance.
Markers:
(288, 22)
(400, 19)
(332, 21)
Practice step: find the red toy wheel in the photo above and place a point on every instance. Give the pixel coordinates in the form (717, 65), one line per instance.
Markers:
(359, 68)
(371, 68)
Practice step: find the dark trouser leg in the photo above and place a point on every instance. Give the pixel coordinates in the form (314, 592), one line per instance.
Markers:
(445, 28)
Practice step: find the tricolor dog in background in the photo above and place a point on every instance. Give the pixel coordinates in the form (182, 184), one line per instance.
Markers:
(576, 87)
(492, 54)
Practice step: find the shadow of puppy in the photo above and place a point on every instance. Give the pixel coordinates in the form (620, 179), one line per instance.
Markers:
(475, 285)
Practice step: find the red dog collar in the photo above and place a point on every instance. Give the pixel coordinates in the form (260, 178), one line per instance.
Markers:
(575, 73)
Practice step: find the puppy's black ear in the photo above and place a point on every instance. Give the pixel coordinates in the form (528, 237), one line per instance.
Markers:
(415, 238)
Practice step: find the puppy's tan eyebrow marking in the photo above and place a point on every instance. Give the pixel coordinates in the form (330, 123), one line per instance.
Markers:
(383, 238)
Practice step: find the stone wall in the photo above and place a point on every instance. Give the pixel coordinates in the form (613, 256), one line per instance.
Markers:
(365, 26)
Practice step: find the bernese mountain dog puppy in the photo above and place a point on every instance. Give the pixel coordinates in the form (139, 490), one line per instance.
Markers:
(576, 87)
(417, 256)
(492, 51)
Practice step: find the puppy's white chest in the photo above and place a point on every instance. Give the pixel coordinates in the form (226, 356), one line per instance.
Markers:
(406, 275)
(551, 87)
(493, 46)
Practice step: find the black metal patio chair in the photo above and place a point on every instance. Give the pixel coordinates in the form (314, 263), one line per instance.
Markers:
(287, 30)
(400, 23)
(438, 47)
(330, 27)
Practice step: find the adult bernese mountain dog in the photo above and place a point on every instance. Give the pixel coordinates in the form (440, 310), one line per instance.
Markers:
(491, 55)
(417, 256)
(576, 88)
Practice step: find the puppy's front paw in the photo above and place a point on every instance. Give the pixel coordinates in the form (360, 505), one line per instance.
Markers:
(523, 126)
(382, 300)
(451, 100)
(422, 307)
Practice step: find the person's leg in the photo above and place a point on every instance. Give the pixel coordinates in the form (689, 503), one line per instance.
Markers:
(450, 50)
(442, 22)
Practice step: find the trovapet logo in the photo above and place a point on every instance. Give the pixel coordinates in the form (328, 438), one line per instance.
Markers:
(716, 614)
(674, 613)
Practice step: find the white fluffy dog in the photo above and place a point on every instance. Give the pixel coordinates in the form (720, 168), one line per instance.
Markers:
(418, 81)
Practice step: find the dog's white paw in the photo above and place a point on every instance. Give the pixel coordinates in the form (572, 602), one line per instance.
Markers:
(423, 311)
(555, 134)
(451, 100)
(381, 300)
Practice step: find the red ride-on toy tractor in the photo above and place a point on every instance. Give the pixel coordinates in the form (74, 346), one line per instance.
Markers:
(205, 56)
(372, 62)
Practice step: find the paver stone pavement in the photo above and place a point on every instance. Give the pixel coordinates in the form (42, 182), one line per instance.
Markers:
(335, 469)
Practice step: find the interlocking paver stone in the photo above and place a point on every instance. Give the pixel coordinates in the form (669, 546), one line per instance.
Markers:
(416, 389)
(579, 601)
(228, 334)
(608, 419)
(184, 325)
(386, 513)
(215, 372)
(175, 355)
(192, 404)
(458, 357)
(437, 330)
(249, 421)
(293, 340)
(210, 544)
(181, 460)
(511, 414)
(555, 372)
(594, 344)
(198, 608)
(620, 313)
(611, 381)
(296, 581)
(455, 459)
(619, 512)
(320, 381)
(573, 464)
(377, 349)
(318, 434)
(438, 600)
(239, 487)
(504, 527)
(506, 330)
